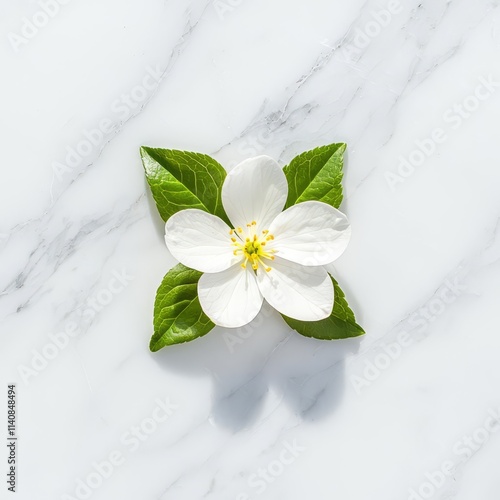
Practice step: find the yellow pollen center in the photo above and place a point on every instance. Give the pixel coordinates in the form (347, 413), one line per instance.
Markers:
(253, 249)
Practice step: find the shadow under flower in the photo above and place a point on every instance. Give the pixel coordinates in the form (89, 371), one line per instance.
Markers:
(246, 363)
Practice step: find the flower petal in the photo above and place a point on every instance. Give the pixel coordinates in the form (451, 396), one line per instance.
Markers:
(254, 190)
(300, 292)
(311, 233)
(200, 240)
(230, 298)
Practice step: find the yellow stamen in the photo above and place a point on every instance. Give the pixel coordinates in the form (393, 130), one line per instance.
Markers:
(253, 249)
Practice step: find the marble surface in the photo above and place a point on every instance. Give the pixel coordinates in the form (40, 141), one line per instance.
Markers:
(411, 410)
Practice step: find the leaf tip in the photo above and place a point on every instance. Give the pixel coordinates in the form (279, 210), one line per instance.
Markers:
(153, 345)
(144, 151)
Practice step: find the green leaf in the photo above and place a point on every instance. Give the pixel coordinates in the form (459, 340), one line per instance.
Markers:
(316, 175)
(180, 180)
(178, 316)
(341, 324)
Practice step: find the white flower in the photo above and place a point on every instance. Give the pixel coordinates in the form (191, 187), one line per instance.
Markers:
(269, 254)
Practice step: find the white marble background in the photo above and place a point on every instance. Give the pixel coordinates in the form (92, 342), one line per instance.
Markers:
(265, 414)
